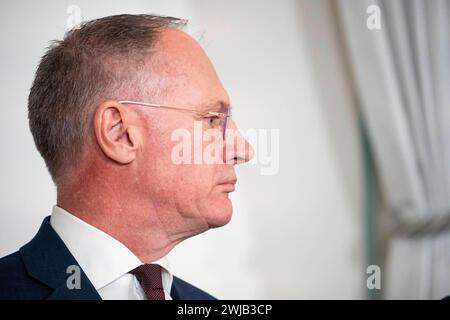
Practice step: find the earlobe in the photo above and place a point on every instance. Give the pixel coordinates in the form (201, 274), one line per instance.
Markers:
(113, 126)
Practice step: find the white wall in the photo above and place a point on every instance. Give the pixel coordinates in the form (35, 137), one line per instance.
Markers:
(294, 235)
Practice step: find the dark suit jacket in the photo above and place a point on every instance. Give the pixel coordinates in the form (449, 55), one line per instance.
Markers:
(38, 271)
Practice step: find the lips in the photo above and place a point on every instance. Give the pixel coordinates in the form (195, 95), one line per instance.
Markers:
(229, 180)
(227, 187)
(228, 184)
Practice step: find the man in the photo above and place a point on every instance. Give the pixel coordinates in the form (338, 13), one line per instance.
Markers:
(104, 108)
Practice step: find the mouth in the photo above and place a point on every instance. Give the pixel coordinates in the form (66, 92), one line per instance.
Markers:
(228, 185)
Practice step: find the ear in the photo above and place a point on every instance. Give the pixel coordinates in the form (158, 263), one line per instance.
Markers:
(117, 132)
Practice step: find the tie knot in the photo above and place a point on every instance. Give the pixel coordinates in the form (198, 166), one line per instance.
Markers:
(149, 276)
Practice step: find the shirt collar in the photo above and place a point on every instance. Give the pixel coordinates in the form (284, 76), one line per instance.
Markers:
(102, 258)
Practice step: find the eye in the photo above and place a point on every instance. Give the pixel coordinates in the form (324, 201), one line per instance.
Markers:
(212, 120)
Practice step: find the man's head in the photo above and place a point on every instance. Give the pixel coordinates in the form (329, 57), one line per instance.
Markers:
(102, 153)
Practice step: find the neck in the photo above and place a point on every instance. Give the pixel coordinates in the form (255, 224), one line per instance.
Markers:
(114, 209)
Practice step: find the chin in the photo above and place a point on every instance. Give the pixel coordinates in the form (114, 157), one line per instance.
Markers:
(219, 212)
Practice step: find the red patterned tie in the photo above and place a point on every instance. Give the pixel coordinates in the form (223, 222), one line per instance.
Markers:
(150, 278)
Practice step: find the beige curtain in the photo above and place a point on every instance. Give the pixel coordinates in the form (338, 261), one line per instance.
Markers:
(402, 77)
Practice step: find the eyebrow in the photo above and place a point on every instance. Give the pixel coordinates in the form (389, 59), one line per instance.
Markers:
(217, 106)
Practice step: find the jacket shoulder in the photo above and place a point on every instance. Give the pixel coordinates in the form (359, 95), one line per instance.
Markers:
(15, 283)
(182, 290)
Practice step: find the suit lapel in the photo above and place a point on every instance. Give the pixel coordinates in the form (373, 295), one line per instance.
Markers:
(174, 291)
(46, 259)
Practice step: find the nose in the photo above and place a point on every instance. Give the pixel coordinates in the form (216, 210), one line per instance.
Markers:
(236, 148)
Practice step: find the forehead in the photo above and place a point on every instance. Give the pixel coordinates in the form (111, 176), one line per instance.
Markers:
(185, 71)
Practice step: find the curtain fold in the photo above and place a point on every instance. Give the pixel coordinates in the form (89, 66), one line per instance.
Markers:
(402, 83)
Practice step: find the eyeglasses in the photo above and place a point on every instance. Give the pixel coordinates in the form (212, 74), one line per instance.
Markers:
(214, 119)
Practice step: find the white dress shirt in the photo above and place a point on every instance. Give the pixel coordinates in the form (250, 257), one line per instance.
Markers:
(105, 261)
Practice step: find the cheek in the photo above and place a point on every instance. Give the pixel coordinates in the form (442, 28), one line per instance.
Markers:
(196, 179)
(189, 180)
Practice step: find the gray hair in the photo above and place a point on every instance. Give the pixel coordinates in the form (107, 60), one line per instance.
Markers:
(102, 59)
